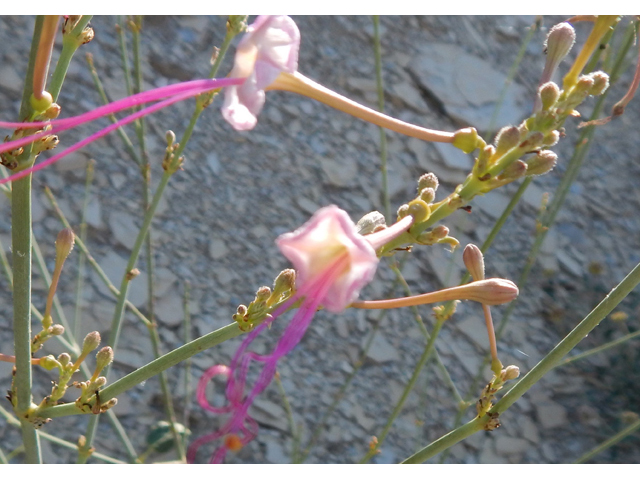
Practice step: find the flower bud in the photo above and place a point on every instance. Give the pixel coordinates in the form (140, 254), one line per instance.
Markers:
(242, 310)
(52, 112)
(64, 244)
(558, 44)
(551, 138)
(506, 139)
(533, 140)
(474, 261)
(369, 222)
(549, 94)
(600, 83)
(64, 359)
(493, 291)
(103, 358)
(49, 362)
(510, 373)
(91, 342)
(56, 329)
(403, 211)
(236, 24)
(466, 139)
(41, 104)
(427, 195)
(419, 210)
(542, 163)
(170, 137)
(263, 294)
(440, 232)
(285, 281)
(99, 382)
(86, 35)
(514, 171)
(428, 180)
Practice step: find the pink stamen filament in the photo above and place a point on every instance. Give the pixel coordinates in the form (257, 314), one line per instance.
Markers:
(300, 84)
(196, 87)
(313, 291)
(110, 128)
(384, 236)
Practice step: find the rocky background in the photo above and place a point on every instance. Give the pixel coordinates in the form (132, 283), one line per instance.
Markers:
(238, 191)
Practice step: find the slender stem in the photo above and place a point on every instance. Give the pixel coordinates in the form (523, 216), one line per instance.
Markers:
(601, 348)
(69, 46)
(298, 83)
(549, 362)
(428, 350)
(610, 442)
(81, 256)
(383, 135)
(92, 261)
(295, 434)
(187, 363)
(151, 369)
(21, 259)
(14, 422)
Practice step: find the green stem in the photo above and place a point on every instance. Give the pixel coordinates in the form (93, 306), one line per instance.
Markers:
(601, 348)
(69, 47)
(81, 256)
(610, 442)
(549, 362)
(151, 369)
(428, 350)
(383, 135)
(21, 258)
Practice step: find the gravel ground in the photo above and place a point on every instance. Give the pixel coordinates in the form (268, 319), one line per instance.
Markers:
(238, 191)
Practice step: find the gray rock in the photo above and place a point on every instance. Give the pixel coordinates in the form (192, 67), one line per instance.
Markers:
(382, 351)
(123, 228)
(468, 86)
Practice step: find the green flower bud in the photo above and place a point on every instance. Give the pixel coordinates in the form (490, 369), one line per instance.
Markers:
(428, 180)
(91, 342)
(103, 358)
(551, 138)
(170, 137)
(64, 359)
(549, 94)
(49, 362)
(99, 382)
(510, 373)
(236, 24)
(542, 163)
(428, 195)
(56, 329)
(533, 140)
(41, 104)
(514, 171)
(242, 310)
(419, 210)
(506, 139)
(52, 112)
(403, 211)
(466, 139)
(263, 294)
(600, 83)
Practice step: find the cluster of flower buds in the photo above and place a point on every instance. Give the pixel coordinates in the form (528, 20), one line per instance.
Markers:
(92, 386)
(266, 299)
(485, 402)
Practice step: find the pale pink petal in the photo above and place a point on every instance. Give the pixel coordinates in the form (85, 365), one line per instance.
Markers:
(269, 47)
(314, 247)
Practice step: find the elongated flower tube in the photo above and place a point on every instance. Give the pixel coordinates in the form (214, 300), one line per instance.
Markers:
(268, 57)
(175, 93)
(333, 263)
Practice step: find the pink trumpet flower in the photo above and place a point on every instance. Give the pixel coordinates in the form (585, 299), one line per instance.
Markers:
(176, 93)
(269, 47)
(333, 263)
